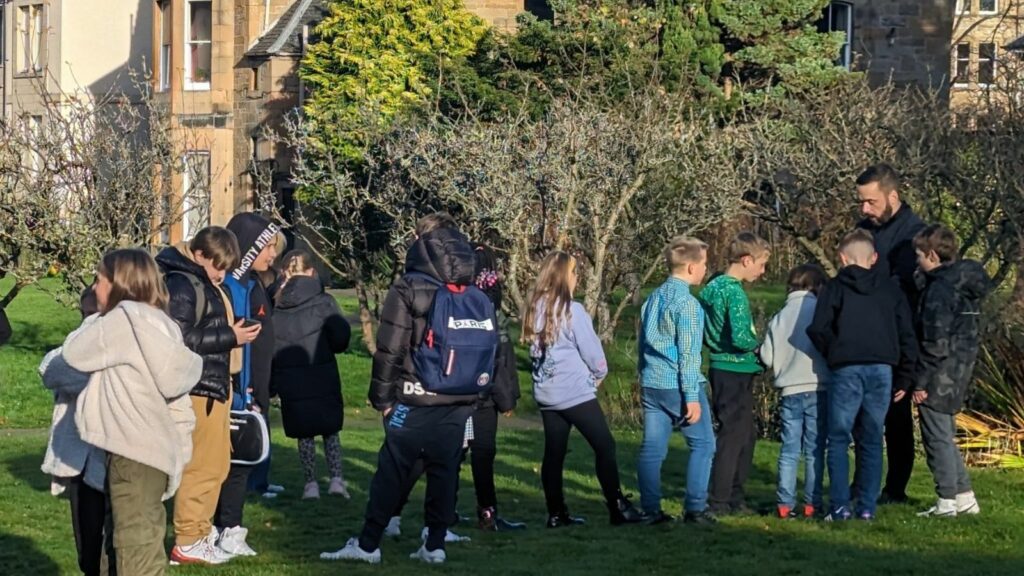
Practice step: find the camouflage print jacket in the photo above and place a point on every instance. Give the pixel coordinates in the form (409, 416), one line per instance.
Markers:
(947, 330)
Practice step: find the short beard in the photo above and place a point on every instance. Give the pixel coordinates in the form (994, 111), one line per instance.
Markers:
(884, 217)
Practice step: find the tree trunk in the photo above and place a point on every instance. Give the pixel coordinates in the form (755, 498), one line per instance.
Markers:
(12, 293)
(819, 254)
(365, 316)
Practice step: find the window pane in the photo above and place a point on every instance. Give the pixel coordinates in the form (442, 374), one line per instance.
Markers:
(988, 5)
(986, 63)
(200, 18)
(200, 58)
(961, 74)
(165, 21)
(196, 200)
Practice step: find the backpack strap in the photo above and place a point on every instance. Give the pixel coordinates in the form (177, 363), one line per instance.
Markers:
(199, 288)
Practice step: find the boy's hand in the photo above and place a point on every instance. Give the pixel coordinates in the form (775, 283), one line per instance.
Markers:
(692, 413)
(244, 335)
(508, 414)
(920, 396)
(898, 395)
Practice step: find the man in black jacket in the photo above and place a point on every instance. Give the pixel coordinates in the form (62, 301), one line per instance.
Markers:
(893, 224)
(863, 328)
(419, 424)
(193, 274)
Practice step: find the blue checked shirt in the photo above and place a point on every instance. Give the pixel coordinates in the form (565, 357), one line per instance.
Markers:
(672, 334)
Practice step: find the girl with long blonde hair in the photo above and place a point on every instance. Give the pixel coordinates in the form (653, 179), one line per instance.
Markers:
(568, 367)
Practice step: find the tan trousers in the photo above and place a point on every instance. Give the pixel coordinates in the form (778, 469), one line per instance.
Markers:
(140, 520)
(196, 499)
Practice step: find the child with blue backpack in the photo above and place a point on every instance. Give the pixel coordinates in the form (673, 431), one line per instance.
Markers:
(435, 352)
(568, 367)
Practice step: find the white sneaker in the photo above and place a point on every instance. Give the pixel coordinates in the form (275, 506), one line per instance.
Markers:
(449, 536)
(269, 495)
(352, 551)
(232, 541)
(944, 508)
(338, 487)
(966, 503)
(275, 488)
(311, 491)
(202, 552)
(430, 557)
(394, 527)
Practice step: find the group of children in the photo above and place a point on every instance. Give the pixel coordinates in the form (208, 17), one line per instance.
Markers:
(145, 386)
(842, 352)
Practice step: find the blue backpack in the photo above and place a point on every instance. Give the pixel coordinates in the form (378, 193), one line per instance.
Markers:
(456, 356)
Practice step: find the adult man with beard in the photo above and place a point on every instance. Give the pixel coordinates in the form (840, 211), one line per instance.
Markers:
(893, 224)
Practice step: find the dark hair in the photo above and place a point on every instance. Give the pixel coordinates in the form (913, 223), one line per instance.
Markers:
(488, 279)
(87, 304)
(434, 221)
(939, 239)
(219, 245)
(809, 277)
(886, 176)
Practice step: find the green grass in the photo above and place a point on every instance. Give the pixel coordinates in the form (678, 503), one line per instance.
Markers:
(36, 538)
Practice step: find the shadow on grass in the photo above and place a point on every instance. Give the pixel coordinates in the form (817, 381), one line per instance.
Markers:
(25, 467)
(19, 555)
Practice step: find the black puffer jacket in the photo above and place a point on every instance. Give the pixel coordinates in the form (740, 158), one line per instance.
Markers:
(309, 331)
(446, 255)
(209, 336)
(948, 332)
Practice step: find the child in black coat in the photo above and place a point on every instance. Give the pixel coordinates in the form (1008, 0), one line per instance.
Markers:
(310, 330)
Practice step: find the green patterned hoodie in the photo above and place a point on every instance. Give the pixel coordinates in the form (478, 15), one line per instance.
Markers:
(729, 326)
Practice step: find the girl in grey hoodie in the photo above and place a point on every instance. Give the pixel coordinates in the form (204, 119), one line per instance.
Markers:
(801, 374)
(568, 367)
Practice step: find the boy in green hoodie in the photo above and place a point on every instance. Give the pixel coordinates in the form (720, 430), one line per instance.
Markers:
(732, 341)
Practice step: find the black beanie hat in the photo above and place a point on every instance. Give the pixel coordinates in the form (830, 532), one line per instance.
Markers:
(254, 232)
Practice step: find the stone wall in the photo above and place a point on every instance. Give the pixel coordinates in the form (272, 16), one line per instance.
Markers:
(903, 40)
(500, 13)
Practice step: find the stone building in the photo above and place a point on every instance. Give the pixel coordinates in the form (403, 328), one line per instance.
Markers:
(227, 69)
(985, 57)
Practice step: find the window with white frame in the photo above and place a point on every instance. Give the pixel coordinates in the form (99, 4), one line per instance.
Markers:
(986, 64)
(195, 205)
(838, 17)
(988, 6)
(166, 39)
(198, 44)
(962, 65)
(29, 40)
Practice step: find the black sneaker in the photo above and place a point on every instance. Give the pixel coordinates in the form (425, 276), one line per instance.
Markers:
(702, 518)
(659, 517)
(742, 510)
(622, 511)
(564, 519)
(503, 525)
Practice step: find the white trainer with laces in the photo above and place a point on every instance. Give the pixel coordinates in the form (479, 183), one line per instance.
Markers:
(352, 551)
(275, 488)
(232, 541)
(394, 527)
(944, 508)
(429, 556)
(966, 503)
(338, 487)
(203, 551)
(449, 536)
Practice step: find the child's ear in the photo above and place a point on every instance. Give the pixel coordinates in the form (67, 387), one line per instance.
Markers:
(844, 259)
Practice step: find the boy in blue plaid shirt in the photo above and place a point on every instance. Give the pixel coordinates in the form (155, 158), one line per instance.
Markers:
(672, 385)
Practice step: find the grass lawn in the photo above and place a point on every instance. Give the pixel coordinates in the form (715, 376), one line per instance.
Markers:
(36, 537)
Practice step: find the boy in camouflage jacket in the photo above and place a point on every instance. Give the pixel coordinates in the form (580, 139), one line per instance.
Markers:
(948, 313)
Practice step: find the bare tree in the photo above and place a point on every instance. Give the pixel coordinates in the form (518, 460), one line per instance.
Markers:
(83, 176)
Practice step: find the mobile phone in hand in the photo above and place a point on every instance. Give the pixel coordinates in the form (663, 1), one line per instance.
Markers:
(250, 322)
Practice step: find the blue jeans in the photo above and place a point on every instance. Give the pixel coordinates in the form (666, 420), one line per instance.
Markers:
(664, 410)
(859, 395)
(804, 430)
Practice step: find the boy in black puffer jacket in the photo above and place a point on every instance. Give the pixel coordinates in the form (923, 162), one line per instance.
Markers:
(309, 331)
(193, 275)
(419, 424)
(947, 329)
